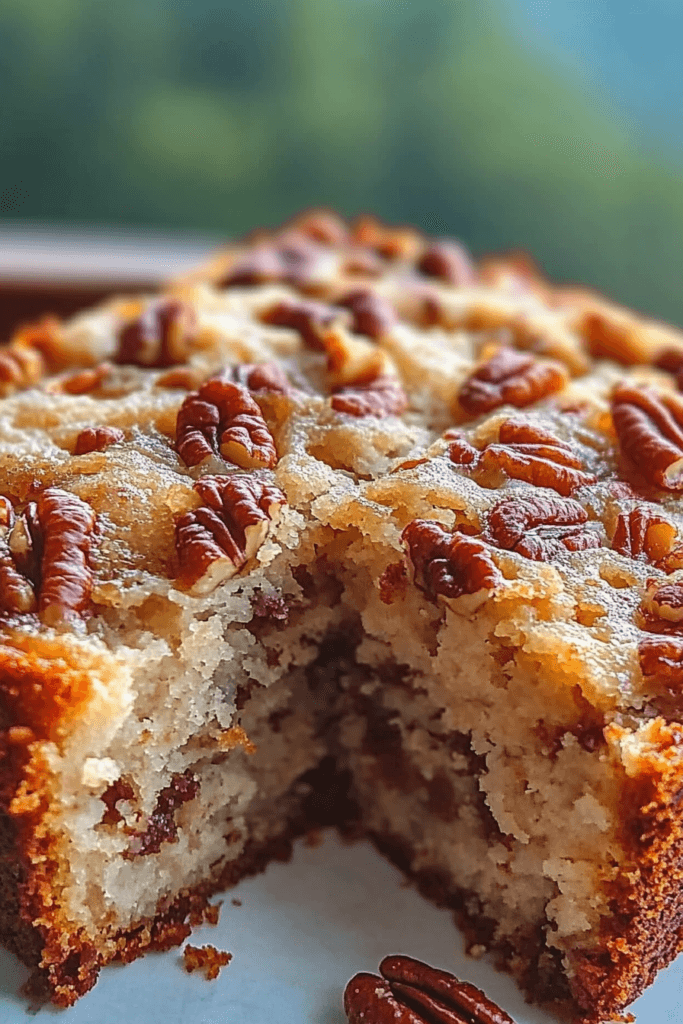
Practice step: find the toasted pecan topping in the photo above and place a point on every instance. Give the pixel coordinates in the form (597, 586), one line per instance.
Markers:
(96, 439)
(162, 335)
(510, 378)
(525, 451)
(411, 992)
(311, 319)
(451, 564)
(42, 337)
(19, 368)
(83, 381)
(215, 541)
(392, 243)
(661, 660)
(262, 377)
(322, 226)
(649, 426)
(222, 418)
(291, 259)
(643, 534)
(184, 378)
(206, 959)
(450, 262)
(16, 591)
(664, 600)
(381, 397)
(541, 527)
(373, 315)
(671, 360)
(67, 525)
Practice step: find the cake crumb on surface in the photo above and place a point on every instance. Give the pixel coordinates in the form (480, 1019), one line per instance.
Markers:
(206, 959)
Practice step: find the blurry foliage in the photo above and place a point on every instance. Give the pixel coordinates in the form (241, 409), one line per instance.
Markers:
(226, 114)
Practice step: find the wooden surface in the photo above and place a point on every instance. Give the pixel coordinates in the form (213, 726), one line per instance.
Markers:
(52, 270)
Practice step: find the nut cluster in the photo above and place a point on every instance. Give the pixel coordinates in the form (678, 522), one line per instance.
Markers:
(408, 991)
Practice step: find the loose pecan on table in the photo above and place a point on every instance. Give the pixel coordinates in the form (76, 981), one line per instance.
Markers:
(96, 439)
(450, 564)
(649, 426)
(450, 262)
(381, 397)
(214, 542)
(540, 527)
(44, 556)
(373, 315)
(222, 418)
(511, 378)
(411, 992)
(162, 335)
(525, 451)
(642, 534)
(311, 319)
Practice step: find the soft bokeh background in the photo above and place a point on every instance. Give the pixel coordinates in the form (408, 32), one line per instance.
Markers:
(553, 126)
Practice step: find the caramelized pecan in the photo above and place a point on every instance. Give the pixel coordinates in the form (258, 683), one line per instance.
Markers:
(451, 564)
(411, 992)
(19, 368)
(539, 527)
(373, 315)
(222, 418)
(392, 243)
(311, 319)
(67, 524)
(162, 335)
(511, 378)
(383, 396)
(215, 541)
(291, 259)
(262, 377)
(664, 600)
(83, 381)
(96, 439)
(643, 534)
(671, 360)
(649, 426)
(661, 660)
(450, 262)
(322, 226)
(528, 452)
(16, 591)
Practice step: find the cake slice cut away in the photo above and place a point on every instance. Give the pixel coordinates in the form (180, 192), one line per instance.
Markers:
(344, 529)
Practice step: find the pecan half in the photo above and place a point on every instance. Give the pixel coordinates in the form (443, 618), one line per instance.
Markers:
(539, 527)
(291, 259)
(311, 319)
(649, 426)
(450, 564)
(67, 524)
(222, 418)
(96, 439)
(381, 397)
(262, 377)
(511, 378)
(215, 541)
(661, 660)
(162, 335)
(450, 262)
(19, 368)
(530, 453)
(322, 226)
(392, 243)
(16, 591)
(643, 534)
(411, 992)
(373, 315)
(664, 600)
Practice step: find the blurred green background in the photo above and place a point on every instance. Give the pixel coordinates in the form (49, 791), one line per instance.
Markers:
(504, 123)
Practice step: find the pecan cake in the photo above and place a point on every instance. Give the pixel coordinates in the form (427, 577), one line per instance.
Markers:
(344, 527)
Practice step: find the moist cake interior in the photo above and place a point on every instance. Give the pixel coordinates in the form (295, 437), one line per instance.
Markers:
(423, 587)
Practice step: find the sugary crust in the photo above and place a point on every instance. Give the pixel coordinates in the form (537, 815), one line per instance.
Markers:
(385, 381)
